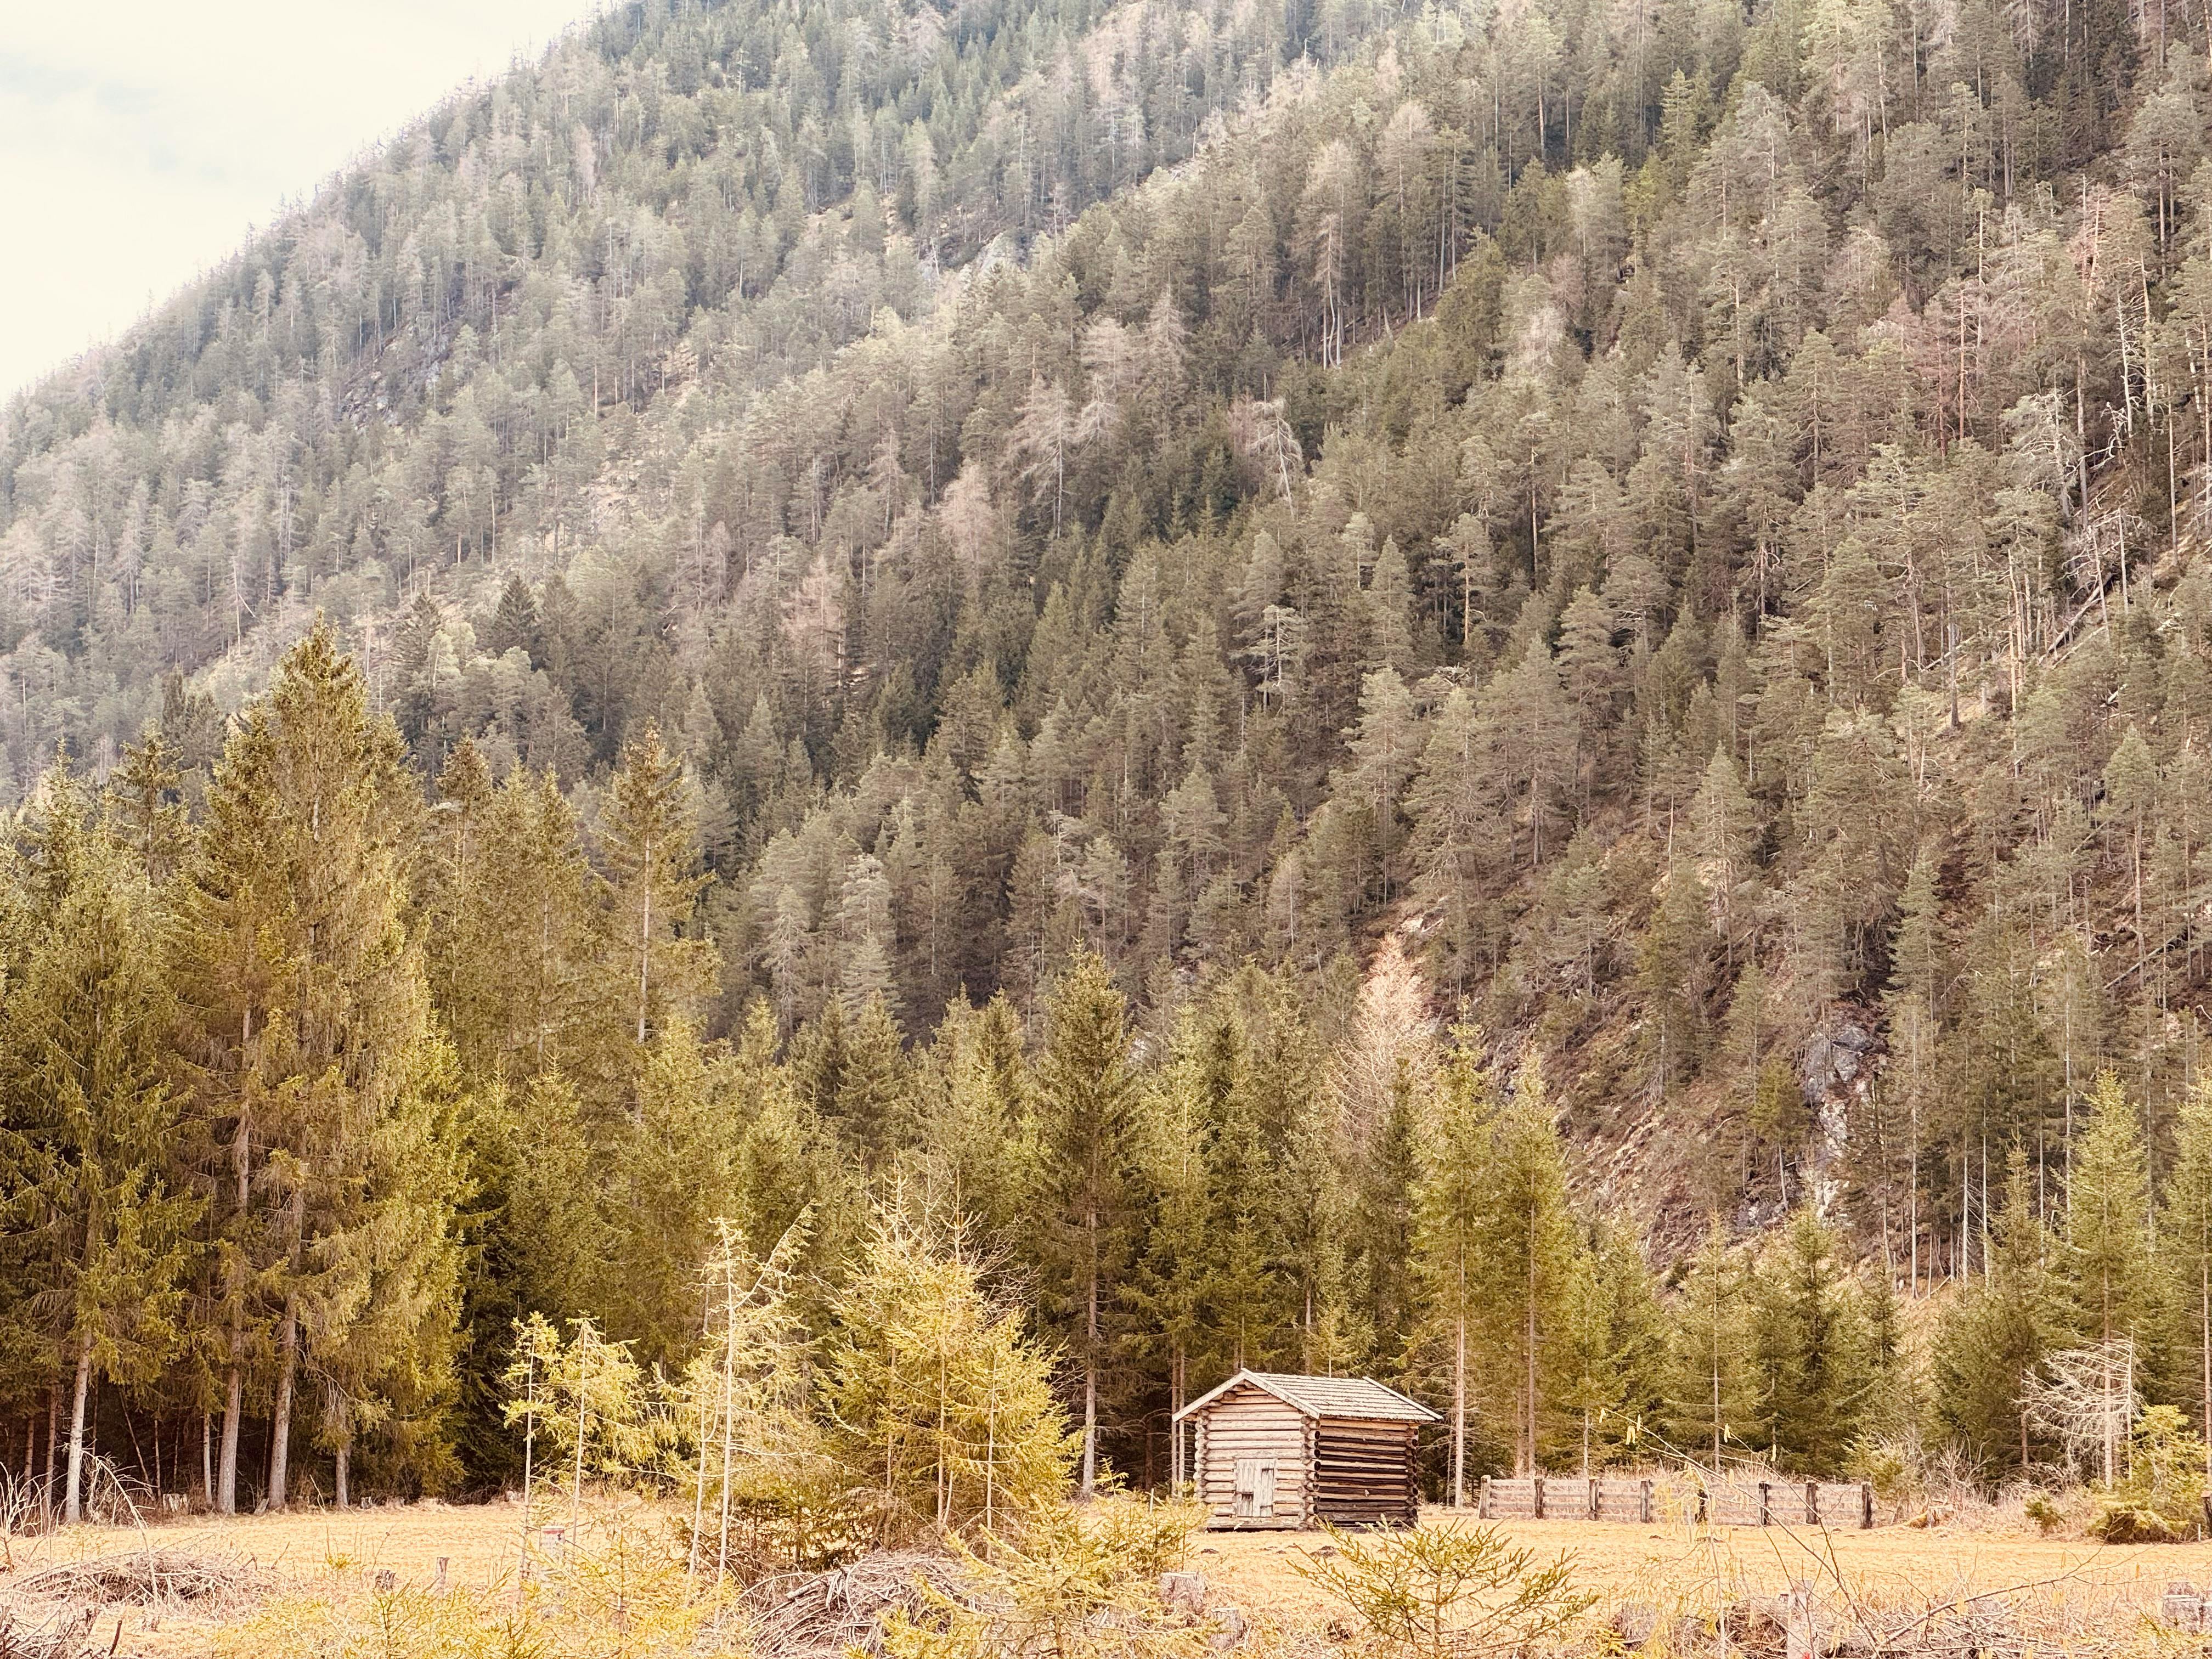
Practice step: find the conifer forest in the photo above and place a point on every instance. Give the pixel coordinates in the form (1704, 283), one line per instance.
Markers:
(1514, 696)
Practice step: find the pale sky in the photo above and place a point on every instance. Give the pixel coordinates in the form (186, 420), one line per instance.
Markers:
(140, 139)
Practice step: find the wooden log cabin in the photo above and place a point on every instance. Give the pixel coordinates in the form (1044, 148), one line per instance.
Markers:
(1275, 1450)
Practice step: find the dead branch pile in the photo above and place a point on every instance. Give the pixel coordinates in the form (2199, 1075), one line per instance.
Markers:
(2020, 1623)
(824, 1616)
(142, 1577)
(65, 1636)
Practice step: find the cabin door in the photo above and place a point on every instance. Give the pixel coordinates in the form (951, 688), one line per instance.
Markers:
(1255, 1489)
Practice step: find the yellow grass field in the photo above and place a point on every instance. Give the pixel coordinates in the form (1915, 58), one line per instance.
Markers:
(1675, 1569)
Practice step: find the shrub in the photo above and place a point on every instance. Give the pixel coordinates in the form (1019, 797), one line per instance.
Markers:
(1075, 1584)
(1434, 1591)
(2161, 1500)
(2043, 1510)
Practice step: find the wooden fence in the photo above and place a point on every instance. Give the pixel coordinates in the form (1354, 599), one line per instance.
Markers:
(1843, 1504)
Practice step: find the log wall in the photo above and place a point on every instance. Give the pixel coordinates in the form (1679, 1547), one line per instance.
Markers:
(1363, 1472)
(1252, 1425)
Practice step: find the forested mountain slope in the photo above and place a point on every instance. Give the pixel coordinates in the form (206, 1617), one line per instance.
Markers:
(1671, 529)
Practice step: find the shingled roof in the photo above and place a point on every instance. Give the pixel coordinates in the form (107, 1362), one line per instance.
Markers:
(1324, 1396)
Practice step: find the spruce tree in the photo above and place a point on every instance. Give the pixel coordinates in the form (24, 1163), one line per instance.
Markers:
(1086, 1107)
(1709, 1399)
(1452, 1222)
(2110, 1265)
(93, 1144)
(1993, 1338)
(308, 1017)
(2185, 1243)
(1808, 1344)
(650, 842)
(1168, 1283)
(1529, 1264)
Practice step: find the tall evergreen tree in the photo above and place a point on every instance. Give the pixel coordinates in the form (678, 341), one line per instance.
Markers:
(1453, 1222)
(1086, 1106)
(93, 1170)
(309, 1021)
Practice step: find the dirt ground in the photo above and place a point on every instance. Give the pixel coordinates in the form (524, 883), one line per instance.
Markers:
(1674, 1568)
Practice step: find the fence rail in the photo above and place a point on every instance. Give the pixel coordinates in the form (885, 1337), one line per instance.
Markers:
(1845, 1505)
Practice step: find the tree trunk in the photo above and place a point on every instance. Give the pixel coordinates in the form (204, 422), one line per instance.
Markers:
(225, 1497)
(53, 1446)
(1529, 1432)
(207, 1455)
(73, 1495)
(1459, 1410)
(344, 1457)
(1090, 1367)
(280, 1431)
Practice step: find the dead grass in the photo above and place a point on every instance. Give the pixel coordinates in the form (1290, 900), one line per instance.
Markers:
(1674, 1569)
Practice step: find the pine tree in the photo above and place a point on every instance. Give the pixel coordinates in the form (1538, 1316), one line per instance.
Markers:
(1620, 1340)
(1244, 1297)
(672, 1177)
(1384, 1222)
(1167, 1284)
(147, 789)
(522, 937)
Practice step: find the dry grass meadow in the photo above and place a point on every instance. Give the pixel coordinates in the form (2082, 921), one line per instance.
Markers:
(1681, 1573)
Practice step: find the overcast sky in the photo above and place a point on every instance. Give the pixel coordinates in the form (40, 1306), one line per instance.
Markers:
(139, 139)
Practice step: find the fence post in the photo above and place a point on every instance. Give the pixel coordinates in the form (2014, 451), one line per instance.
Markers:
(1866, 1506)
(1643, 1503)
(1593, 1514)
(1765, 1493)
(1812, 1502)
(1482, 1500)
(1536, 1487)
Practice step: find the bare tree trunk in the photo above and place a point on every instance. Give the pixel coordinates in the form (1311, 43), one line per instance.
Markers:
(73, 1495)
(1459, 1409)
(343, 1459)
(226, 1499)
(1529, 1432)
(280, 1432)
(54, 1448)
(1090, 1368)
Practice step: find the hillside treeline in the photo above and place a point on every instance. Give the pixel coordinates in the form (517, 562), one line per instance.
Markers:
(322, 1098)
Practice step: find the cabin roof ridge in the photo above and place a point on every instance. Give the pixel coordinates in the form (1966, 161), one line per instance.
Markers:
(1321, 1396)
